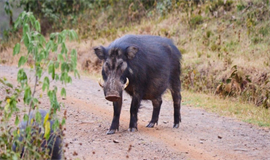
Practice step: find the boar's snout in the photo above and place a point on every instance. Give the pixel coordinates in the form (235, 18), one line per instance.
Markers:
(112, 96)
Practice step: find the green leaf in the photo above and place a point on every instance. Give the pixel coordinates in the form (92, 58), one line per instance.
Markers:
(46, 83)
(55, 125)
(16, 49)
(63, 121)
(26, 40)
(32, 20)
(49, 45)
(38, 117)
(60, 39)
(56, 77)
(64, 67)
(17, 121)
(69, 79)
(22, 77)
(22, 61)
(60, 57)
(74, 58)
(64, 49)
(25, 117)
(63, 92)
(35, 101)
(38, 70)
(26, 29)
(51, 70)
(27, 95)
(56, 64)
(9, 85)
(37, 25)
(18, 21)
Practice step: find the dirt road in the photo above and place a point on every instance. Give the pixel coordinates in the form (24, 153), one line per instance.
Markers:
(201, 135)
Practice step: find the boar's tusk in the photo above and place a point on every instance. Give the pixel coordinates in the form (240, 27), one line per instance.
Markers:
(99, 82)
(126, 84)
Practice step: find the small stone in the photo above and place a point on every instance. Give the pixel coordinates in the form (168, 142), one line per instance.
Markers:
(115, 141)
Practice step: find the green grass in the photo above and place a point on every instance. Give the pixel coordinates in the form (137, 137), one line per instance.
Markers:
(228, 107)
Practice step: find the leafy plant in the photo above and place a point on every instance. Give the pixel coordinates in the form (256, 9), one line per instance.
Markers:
(48, 56)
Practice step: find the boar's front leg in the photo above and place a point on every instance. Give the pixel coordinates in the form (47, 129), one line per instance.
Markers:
(156, 109)
(136, 101)
(116, 116)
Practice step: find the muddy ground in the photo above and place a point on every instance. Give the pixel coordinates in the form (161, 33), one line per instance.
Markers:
(201, 135)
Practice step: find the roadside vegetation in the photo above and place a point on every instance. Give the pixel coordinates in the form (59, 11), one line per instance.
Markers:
(224, 43)
(24, 132)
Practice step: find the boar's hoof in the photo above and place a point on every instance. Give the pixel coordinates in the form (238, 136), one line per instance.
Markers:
(151, 125)
(111, 131)
(132, 129)
(176, 125)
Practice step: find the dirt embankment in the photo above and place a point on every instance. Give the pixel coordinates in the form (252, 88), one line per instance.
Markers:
(202, 135)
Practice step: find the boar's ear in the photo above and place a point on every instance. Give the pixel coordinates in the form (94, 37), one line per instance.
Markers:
(100, 52)
(131, 52)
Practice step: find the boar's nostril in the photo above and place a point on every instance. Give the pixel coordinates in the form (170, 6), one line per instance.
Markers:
(113, 98)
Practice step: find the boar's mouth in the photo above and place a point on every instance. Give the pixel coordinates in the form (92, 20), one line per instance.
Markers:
(113, 95)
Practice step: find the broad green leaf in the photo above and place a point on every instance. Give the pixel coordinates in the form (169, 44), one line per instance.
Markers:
(51, 70)
(55, 125)
(38, 71)
(64, 48)
(60, 57)
(56, 64)
(17, 121)
(74, 58)
(56, 77)
(63, 92)
(22, 61)
(35, 100)
(54, 47)
(27, 95)
(46, 83)
(25, 117)
(49, 45)
(60, 39)
(16, 49)
(26, 29)
(32, 20)
(22, 77)
(37, 25)
(18, 21)
(38, 117)
(26, 40)
(69, 79)
(64, 67)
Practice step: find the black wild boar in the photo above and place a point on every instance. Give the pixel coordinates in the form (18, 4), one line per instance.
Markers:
(54, 142)
(145, 66)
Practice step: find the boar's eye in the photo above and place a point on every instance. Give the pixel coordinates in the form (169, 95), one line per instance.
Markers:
(106, 67)
(120, 64)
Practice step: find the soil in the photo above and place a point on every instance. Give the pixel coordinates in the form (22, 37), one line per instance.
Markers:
(201, 135)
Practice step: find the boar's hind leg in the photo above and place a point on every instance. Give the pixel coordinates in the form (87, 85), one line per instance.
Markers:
(176, 95)
(116, 116)
(134, 113)
(156, 108)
